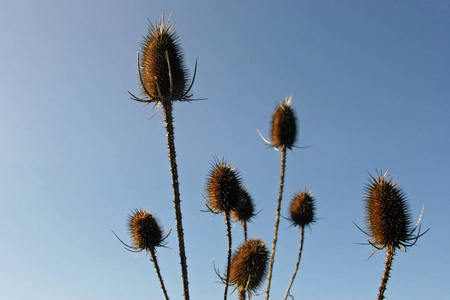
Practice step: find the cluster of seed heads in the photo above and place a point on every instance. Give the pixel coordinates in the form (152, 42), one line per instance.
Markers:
(302, 208)
(146, 233)
(284, 126)
(249, 265)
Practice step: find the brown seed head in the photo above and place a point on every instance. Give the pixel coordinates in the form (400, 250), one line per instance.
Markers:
(223, 187)
(249, 265)
(145, 231)
(245, 209)
(302, 208)
(284, 125)
(162, 70)
(387, 214)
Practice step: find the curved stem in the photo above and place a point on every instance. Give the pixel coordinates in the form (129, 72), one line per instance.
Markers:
(227, 219)
(302, 235)
(390, 251)
(167, 107)
(277, 220)
(155, 263)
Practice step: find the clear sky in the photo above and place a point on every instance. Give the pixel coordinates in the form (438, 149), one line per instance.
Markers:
(370, 82)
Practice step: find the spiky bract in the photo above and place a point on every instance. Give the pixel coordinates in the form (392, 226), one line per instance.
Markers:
(249, 265)
(302, 208)
(145, 231)
(223, 187)
(162, 71)
(245, 209)
(284, 125)
(387, 215)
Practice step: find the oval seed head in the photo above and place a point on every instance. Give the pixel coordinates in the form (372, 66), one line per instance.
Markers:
(245, 209)
(249, 265)
(223, 187)
(302, 208)
(284, 125)
(162, 71)
(145, 230)
(387, 214)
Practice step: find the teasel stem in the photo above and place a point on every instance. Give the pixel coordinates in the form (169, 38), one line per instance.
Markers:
(242, 294)
(277, 219)
(302, 235)
(168, 118)
(387, 270)
(155, 263)
(244, 226)
(227, 280)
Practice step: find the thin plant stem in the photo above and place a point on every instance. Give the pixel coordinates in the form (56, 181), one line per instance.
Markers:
(167, 108)
(242, 294)
(155, 263)
(277, 219)
(302, 235)
(244, 226)
(390, 251)
(227, 279)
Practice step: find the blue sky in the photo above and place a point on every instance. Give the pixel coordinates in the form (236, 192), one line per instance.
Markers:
(370, 82)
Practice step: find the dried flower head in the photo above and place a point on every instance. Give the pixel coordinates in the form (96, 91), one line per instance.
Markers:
(284, 125)
(223, 187)
(302, 208)
(249, 265)
(388, 217)
(145, 231)
(245, 209)
(162, 73)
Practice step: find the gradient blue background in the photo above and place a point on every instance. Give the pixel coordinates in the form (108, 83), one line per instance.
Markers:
(370, 82)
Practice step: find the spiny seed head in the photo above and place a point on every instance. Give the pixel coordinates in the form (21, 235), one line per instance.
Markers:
(161, 60)
(145, 231)
(245, 209)
(249, 265)
(284, 125)
(223, 187)
(387, 214)
(302, 208)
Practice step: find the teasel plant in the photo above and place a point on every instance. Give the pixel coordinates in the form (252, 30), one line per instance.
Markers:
(163, 79)
(388, 221)
(302, 214)
(248, 267)
(244, 211)
(284, 135)
(224, 190)
(146, 234)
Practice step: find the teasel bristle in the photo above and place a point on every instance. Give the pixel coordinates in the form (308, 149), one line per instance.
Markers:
(284, 125)
(245, 209)
(248, 267)
(162, 72)
(145, 230)
(223, 187)
(387, 214)
(302, 208)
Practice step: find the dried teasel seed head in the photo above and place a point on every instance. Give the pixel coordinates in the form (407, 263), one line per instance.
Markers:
(245, 209)
(249, 265)
(302, 208)
(145, 231)
(162, 71)
(223, 187)
(284, 125)
(387, 214)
